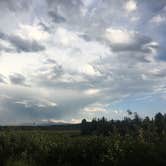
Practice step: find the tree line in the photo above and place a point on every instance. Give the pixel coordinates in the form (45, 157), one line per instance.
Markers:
(135, 126)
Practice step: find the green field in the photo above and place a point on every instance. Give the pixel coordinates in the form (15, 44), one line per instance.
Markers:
(68, 148)
(129, 142)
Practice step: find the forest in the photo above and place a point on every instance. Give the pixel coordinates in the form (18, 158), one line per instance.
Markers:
(133, 141)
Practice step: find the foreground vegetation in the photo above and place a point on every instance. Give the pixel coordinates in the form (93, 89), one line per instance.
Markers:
(128, 142)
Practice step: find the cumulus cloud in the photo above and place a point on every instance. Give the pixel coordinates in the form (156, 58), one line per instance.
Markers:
(21, 44)
(25, 45)
(124, 40)
(66, 60)
(32, 32)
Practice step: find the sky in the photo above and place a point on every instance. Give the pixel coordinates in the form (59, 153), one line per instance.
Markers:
(65, 60)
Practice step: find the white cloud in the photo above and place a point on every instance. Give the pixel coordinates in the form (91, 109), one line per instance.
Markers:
(94, 109)
(32, 32)
(72, 121)
(88, 5)
(88, 2)
(92, 91)
(41, 103)
(101, 55)
(135, 19)
(130, 6)
(118, 36)
(89, 70)
(158, 19)
(14, 63)
(121, 39)
(66, 37)
(5, 44)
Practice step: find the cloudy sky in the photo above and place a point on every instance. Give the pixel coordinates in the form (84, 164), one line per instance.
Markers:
(64, 60)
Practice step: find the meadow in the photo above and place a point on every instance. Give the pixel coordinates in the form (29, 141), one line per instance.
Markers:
(127, 143)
